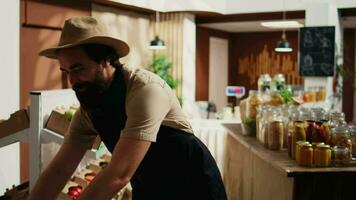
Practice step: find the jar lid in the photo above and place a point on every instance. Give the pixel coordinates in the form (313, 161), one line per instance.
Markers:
(302, 142)
(305, 145)
(317, 143)
(323, 146)
(340, 148)
(340, 130)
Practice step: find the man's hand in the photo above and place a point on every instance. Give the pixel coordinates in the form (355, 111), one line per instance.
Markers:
(126, 158)
(55, 176)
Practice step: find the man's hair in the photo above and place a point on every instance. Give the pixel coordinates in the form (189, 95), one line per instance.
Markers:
(100, 52)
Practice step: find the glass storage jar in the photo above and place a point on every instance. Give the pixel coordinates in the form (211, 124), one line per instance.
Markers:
(298, 135)
(285, 117)
(254, 99)
(275, 131)
(336, 119)
(321, 94)
(264, 82)
(340, 156)
(341, 137)
(314, 145)
(279, 82)
(264, 129)
(249, 121)
(305, 155)
(310, 127)
(297, 149)
(290, 130)
(259, 115)
(322, 155)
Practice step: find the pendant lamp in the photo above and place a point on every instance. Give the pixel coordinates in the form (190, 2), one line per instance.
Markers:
(283, 45)
(157, 43)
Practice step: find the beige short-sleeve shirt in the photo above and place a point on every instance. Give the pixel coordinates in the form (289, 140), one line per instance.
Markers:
(149, 103)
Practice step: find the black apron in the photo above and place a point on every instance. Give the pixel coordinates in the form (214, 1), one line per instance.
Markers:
(176, 166)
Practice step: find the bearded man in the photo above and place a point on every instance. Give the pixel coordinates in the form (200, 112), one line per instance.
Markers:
(138, 118)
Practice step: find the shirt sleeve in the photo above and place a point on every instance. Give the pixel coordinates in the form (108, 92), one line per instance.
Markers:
(80, 130)
(146, 107)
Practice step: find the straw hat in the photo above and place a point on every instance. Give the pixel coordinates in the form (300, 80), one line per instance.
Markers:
(85, 30)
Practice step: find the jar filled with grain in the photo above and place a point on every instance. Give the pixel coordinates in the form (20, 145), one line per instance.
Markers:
(275, 131)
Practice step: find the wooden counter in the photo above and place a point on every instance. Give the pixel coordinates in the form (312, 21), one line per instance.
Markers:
(261, 174)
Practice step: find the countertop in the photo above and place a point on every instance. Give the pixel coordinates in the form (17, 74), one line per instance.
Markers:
(279, 159)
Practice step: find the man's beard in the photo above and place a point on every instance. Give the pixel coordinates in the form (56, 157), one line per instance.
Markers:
(91, 93)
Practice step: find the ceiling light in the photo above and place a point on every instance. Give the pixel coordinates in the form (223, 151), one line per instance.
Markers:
(157, 43)
(283, 46)
(282, 24)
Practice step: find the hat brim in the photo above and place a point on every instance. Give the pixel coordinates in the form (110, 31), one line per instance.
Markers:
(120, 46)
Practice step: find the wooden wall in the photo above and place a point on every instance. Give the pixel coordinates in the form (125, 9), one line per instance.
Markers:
(252, 54)
(170, 30)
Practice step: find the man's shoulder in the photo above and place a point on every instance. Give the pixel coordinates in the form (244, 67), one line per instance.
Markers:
(137, 77)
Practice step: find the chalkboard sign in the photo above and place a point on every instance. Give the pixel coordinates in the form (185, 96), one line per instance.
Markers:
(317, 51)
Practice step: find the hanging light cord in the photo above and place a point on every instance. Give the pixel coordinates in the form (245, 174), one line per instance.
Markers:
(284, 37)
(157, 21)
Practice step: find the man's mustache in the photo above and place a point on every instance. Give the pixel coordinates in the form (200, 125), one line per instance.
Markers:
(84, 85)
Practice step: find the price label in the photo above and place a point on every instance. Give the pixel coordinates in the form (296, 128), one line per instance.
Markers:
(237, 91)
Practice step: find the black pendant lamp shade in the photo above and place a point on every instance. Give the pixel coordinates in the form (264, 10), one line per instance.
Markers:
(283, 45)
(157, 43)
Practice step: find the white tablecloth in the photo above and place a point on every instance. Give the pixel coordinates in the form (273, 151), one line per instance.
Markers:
(213, 135)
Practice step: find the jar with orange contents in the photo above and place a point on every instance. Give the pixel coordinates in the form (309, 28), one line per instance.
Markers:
(322, 155)
(305, 155)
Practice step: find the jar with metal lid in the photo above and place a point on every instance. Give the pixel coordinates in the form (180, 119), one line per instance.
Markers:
(305, 155)
(264, 82)
(309, 119)
(320, 132)
(341, 137)
(337, 119)
(322, 155)
(298, 135)
(275, 131)
(341, 156)
(279, 82)
(297, 149)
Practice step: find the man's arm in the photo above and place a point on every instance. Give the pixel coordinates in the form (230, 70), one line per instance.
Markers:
(126, 158)
(55, 176)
